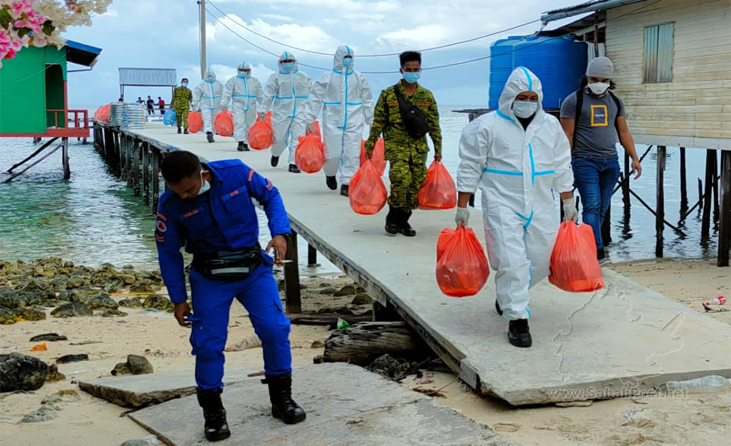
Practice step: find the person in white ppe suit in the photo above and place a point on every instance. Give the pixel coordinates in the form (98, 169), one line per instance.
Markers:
(207, 98)
(517, 155)
(346, 101)
(245, 92)
(285, 95)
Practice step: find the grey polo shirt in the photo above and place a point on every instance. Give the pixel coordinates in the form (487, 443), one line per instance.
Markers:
(595, 134)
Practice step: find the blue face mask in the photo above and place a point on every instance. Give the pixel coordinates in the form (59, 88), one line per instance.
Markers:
(411, 78)
(184, 84)
(243, 74)
(347, 62)
(205, 186)
(287, 66)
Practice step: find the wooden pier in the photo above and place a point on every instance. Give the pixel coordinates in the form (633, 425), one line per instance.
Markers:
(467, 334)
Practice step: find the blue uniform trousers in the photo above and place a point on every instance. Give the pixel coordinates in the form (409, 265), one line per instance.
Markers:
(211, 306)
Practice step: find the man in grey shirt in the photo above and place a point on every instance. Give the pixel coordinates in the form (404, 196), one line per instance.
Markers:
(592, 131)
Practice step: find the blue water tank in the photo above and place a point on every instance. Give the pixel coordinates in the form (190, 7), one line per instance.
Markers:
(559, 62)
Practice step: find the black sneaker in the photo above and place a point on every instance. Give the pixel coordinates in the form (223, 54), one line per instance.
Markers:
(498, 309)
(294, 169)
(344, 189)
(209, 135)
(185, 132)
(246, 148)
(331, 182)
(180, 131)
(601, 256)
(275, 161)
(519, 333)
(240, 147)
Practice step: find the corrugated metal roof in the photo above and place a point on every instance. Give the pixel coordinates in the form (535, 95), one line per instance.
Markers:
(82, 54)
(593, 5)
(148, 77)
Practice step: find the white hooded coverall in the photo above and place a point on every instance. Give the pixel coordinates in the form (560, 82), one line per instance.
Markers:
(346, 101)
(246, 93)
(285, 95)
(207, 98)
(517, 171)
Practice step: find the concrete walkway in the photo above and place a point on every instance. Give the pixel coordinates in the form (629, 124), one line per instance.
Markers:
(625, 340)
(346, 406)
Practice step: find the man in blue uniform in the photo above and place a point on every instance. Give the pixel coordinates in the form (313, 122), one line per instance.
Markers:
(208, 208)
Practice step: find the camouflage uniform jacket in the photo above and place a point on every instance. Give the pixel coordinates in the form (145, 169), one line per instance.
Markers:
(387, 120)
(181, 98)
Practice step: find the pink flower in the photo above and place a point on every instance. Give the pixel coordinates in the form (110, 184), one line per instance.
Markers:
(19, 7)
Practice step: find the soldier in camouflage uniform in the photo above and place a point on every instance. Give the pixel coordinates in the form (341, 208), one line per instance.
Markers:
(407, 155)
(181, 104)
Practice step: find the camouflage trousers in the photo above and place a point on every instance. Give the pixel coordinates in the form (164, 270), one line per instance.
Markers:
(181, 115)
(406, 180)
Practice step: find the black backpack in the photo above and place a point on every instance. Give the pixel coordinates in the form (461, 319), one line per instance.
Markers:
(413, 117)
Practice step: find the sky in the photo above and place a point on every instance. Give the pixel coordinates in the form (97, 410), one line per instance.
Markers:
(165, 34)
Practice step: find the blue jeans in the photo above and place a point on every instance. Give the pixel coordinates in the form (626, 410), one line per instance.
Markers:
(595, 178)
(211, 305)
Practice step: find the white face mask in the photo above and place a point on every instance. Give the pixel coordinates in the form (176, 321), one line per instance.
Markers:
(524, 109)
(205, 187)
(599, 88)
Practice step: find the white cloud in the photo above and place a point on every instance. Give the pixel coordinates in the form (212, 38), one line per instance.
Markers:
(281, 18)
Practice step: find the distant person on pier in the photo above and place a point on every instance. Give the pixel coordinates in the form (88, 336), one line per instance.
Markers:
(207, 98)
(161, 104)
(518, 156)
(592, 117)
(405, 142)
(150, 106)
(246, 93)
(182, 97)
(285, 95)
(346, 101)
(140, 101)
(208, 209)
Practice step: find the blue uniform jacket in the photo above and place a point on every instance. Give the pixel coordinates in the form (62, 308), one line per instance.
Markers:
(222, 219)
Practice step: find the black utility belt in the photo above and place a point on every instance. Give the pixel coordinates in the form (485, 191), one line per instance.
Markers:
(228, 265)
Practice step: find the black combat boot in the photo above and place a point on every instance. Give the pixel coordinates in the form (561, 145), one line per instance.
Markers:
(185, 132)
(331, 182)
(241, 147)
(392, 226)
(216, 426)
(519, 333)
(344, 190)
(209, 135)
(294, 169)
(404, 226)
(180, 131)
(280, 394)
(275, 161)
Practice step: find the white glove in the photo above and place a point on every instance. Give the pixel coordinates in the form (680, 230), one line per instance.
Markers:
(569, 210)
(310, 127)
(463, 216)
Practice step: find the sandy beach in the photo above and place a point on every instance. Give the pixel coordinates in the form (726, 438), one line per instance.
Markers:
(699, 419)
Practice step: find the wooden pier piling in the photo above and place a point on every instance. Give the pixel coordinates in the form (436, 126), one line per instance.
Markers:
(724, 230)
(706, 219)
(660, 213)
(136, 155)
(311, 256)
(155, 178)
(292, 277)
(683, 184)
(146, 173)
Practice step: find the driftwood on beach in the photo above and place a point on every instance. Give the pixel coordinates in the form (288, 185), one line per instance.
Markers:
(365, 341)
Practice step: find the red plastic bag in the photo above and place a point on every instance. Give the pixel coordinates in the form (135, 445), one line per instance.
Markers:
(224, 123)
(574, 266)
(438, 190)
(378, 158)
(461, 263)
(195, 122)
(310, 154)
(261, 134)
(367, 192)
